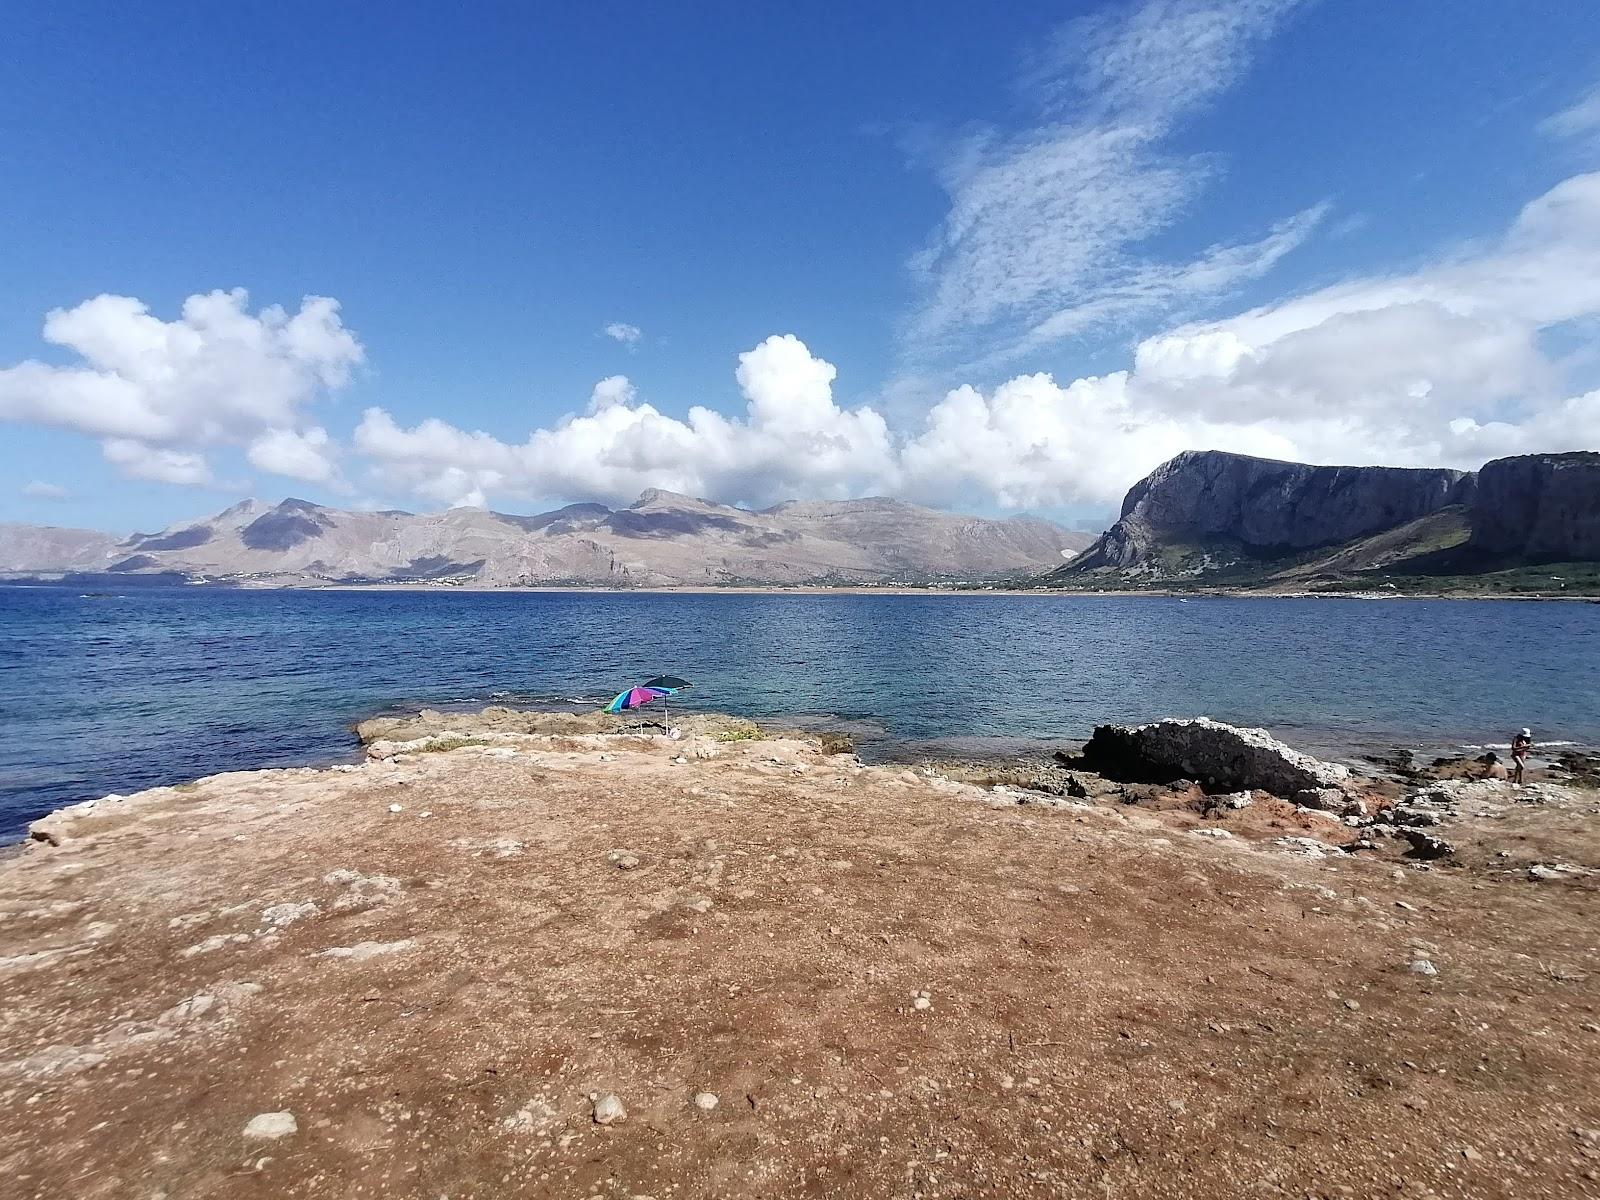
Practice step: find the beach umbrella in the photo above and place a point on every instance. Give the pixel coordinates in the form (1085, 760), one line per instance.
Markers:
(667, 685)
(635, 697)
(658, 688)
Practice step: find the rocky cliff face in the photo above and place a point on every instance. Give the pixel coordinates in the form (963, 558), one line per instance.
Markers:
(663, 539)
(1539, 506)
(1267, 506)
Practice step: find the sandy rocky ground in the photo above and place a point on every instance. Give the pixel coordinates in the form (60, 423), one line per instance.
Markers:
(510, 955)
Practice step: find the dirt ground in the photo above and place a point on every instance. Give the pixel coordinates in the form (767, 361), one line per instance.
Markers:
(893, 984)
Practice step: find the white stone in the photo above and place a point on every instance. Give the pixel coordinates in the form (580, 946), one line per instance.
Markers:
(271, 1126)
(1310, 847)
(187, 1010)
(705, 1101)
(280, 915)
(362, 951)
(608, 1110)
(215, 942)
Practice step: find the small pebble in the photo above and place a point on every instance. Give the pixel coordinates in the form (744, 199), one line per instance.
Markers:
(608, 1110)
(395, 808)
(705, 1101)
(1352, 1005)
(1422, 966)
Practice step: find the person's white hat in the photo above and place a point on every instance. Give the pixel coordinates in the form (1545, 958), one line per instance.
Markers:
(1527, 733)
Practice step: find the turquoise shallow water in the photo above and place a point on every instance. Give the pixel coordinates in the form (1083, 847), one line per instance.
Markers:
(118, 692)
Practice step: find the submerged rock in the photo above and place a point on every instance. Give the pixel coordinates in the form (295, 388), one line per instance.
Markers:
(1220, 756)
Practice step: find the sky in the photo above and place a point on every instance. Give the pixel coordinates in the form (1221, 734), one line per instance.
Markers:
(999, 259)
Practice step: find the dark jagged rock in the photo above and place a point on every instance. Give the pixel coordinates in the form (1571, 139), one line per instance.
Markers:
(1222, 757)
(1539, 506)
(1265, 505)
(1425, 844)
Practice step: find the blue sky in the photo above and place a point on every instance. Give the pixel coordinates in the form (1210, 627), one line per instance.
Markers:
(991, 259)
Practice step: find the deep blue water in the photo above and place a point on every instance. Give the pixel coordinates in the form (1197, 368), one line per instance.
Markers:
(114, 693)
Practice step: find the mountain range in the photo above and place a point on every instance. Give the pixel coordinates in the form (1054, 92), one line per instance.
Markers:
(1527, 524)
(664, 539)
(1530, 523)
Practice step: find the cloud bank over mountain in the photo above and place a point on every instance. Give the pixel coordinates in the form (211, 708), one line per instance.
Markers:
(1446, 365)
(1473, 354)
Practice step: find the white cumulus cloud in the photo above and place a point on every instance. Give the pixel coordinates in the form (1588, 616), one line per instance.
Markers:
(793, 440)
(308, 455)
(1442, 366)
(158, 464)
(159, 392)
(621, 331)
(1446, 365)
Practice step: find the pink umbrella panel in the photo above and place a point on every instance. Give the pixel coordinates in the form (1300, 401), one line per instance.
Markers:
(636, 697)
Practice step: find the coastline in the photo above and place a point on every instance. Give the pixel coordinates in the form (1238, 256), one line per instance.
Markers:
(910, 590)
(512, 952)
(99, 583)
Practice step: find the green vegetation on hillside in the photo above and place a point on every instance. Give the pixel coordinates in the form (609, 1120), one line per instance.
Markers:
(1431, 555)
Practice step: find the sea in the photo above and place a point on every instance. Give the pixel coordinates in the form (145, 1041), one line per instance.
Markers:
(110, 692)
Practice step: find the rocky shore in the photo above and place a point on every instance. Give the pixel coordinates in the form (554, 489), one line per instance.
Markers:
(528, 954)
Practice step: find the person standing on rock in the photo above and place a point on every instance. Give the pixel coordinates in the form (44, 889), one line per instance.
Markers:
(1520, 745)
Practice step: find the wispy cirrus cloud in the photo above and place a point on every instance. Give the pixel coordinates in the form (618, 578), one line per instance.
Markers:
(1043, 237)
(1579, 122)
